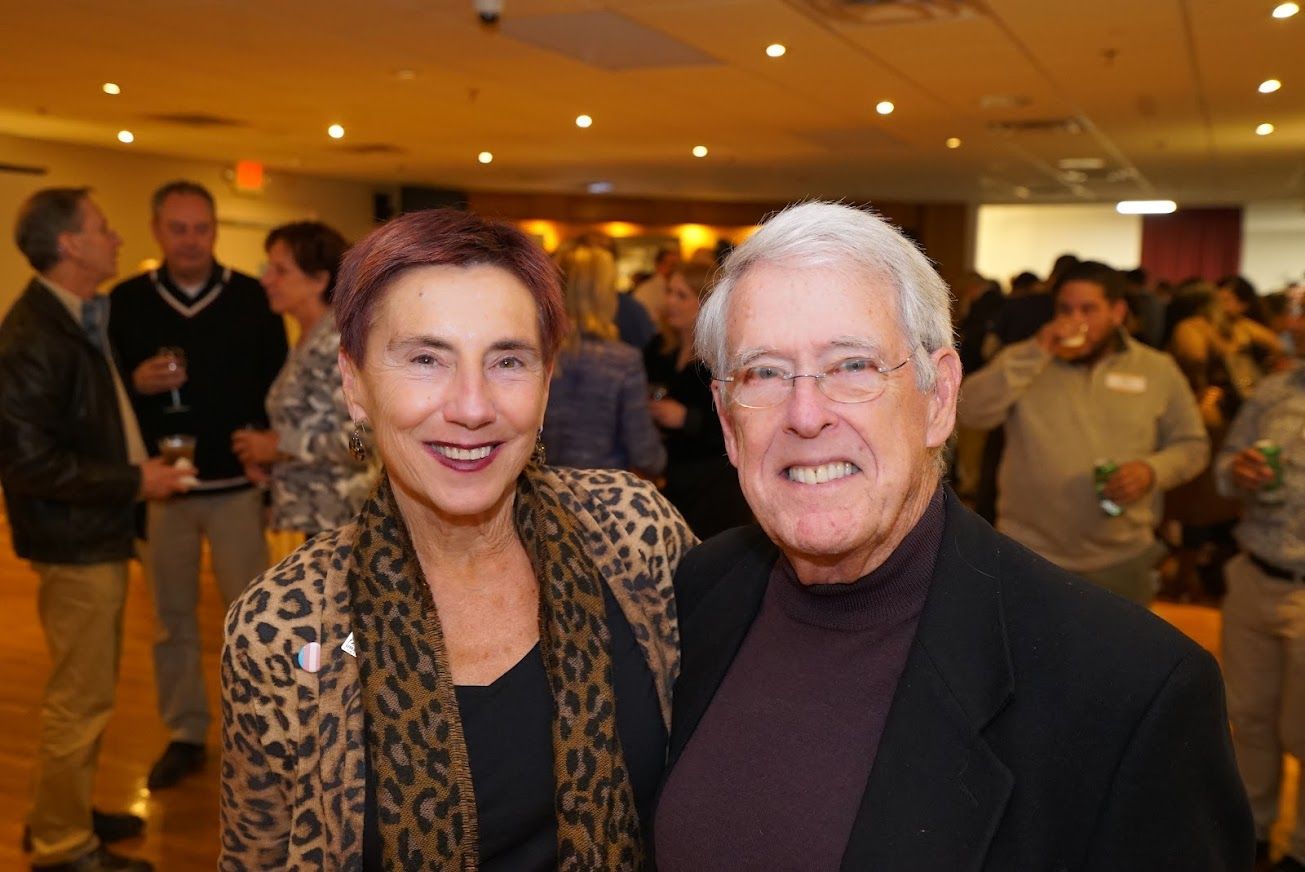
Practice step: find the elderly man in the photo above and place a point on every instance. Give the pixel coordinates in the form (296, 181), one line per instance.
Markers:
(875, 679)
(72, 467)
(1262, 462)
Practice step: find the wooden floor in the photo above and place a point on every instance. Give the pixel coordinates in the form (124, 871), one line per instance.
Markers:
(182, 829)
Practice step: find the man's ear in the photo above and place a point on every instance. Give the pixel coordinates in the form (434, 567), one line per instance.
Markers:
(942, 403)
(68, 245)
(355, 393)
(1119, 312)
(726, 427)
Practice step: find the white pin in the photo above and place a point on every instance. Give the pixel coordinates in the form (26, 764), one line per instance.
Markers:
(348, 647)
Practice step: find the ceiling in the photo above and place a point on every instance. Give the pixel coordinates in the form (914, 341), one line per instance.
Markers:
(1162, 93)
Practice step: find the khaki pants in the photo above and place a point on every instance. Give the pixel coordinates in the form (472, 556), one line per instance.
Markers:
(233, 525)
(81, 610)
(1264, 668)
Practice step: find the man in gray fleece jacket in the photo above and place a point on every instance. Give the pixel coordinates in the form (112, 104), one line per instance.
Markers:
(1077, 394)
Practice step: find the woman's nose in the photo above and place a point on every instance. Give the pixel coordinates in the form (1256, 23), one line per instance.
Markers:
(469, 402)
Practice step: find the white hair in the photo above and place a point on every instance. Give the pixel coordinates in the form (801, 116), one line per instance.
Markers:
(821, 234)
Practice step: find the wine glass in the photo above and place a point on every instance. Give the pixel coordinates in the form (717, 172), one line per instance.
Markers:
(176, 358)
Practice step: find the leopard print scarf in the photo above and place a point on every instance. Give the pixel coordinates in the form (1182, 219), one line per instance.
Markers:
(426, 807)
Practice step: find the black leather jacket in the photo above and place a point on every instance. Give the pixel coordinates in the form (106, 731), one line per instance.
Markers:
(68, 487)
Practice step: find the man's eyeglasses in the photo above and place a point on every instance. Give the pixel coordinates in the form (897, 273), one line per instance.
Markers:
(852, 380)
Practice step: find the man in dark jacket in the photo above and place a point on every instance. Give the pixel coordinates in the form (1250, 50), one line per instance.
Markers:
(72, 467)
(874, 678)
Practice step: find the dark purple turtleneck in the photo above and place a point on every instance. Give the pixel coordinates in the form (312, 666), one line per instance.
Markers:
(775, 771)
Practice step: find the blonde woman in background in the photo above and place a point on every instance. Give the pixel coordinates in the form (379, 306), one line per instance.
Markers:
(597, 415)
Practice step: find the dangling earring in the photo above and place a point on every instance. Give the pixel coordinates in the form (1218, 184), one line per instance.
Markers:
(539, 456)
(357, 442)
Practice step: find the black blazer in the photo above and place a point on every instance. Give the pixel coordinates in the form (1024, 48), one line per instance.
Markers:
(68, 486)
(1041, 723)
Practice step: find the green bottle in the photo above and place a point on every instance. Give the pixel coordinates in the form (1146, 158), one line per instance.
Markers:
(1271, 491)
(1101, 472)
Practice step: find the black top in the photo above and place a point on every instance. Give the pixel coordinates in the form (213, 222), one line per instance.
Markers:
(234, 346)
(789, 741)
(508, 727)
(700, 480)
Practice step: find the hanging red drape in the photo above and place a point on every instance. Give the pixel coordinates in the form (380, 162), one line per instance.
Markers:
(1192, 243)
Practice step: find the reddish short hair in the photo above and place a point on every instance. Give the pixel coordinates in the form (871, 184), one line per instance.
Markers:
(442, 237)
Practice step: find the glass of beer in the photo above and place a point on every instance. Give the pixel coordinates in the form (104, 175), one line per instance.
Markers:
(177, 447)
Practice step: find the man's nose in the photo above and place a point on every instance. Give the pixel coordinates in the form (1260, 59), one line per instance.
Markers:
(808, 410)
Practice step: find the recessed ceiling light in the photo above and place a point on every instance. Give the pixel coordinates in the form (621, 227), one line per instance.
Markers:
(1264, 129)
(1268, 86)
(953, 142)
(126, 137)
(1145, 207)
(583, 121)
(405, 75)
(700, 151)
(1285, 10)
(599, 187)
(775, 50)
(885, 107)
(111, 88)
(485, 157)
(335, 131)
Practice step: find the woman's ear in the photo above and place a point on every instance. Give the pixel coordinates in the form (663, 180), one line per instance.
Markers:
(355, 390)
(320, 279)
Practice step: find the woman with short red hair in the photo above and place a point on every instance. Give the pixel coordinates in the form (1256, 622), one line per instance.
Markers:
(475, 673)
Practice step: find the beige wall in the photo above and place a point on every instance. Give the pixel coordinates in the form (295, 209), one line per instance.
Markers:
(1012, 239)
(1015, 238)
(1273, 244)
(123, 180)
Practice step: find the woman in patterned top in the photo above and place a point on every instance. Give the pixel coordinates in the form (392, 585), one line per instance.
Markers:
(316, 482)
(475, 673)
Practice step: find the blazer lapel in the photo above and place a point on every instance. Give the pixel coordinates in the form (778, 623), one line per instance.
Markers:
(937, 791)
(711, 637)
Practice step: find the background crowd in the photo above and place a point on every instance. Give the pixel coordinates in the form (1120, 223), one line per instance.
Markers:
(1114, 425)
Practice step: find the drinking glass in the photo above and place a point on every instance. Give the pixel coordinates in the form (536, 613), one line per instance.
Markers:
(177, 447)
(176, 360)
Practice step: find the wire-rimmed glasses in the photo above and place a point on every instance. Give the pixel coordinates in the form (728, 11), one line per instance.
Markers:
(851, 380)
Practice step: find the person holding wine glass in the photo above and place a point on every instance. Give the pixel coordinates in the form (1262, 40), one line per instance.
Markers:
(316, 481)
(199, 348)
